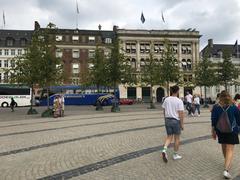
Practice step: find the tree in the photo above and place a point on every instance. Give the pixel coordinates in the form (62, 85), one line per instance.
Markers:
(26, 70)
(97, 74)
(227, 72)
(119, 70)
(205, 74)
(50, 68)
(150, 75)
(169, 69)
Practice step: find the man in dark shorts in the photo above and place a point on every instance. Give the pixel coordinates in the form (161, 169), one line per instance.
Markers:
(173, 109)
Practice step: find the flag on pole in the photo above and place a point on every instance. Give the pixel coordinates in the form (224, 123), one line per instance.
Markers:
(163, 19)
(236, 46)
(4, 20)
(77, 7)
(142, 18)
(236, 43)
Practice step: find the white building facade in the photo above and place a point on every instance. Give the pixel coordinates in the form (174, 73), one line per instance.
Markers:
(137, 45)
(12, 43)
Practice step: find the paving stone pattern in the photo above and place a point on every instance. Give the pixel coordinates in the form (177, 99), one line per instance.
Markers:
(106, 146)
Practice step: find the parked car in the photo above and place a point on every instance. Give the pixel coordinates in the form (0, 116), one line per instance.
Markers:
(126, 101)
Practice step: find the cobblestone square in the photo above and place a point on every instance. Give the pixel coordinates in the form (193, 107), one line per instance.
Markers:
(90, 145)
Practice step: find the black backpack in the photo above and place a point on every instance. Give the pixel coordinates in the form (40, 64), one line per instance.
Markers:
(224, 124)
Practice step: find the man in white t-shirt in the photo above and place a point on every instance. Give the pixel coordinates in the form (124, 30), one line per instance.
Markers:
(189, 99)
(173, 109)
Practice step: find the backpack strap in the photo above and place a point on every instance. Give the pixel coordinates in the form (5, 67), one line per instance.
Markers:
(225, 110)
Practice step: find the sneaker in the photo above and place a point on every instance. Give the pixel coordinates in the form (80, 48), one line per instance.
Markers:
(164, 156)
(227, 175)
(177, 157)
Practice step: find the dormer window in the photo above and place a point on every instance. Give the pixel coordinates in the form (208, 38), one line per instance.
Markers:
(23, 42)
(9, 42)
(58, 38)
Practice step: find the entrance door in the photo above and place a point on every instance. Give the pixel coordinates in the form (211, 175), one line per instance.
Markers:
(146, 94)
(131, 93)
(160, 94)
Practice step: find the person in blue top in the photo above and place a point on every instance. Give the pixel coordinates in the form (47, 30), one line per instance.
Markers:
(227, 140)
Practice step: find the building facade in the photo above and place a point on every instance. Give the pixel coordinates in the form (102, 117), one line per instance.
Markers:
(137, 45)
(76, 47)
(216, 55)
(12, 44)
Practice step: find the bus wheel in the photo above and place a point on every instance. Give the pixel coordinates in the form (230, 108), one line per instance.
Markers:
(4, 104)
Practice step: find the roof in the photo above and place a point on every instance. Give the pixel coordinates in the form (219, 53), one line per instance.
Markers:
(103, 33)
(16, 35)
(216, 48)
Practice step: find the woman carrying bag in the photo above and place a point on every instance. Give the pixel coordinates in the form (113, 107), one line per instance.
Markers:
(225, 122)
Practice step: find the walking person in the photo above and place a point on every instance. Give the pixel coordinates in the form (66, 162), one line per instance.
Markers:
(173, 110)
(12, 104)
(225, 121)
(188, 99)
(196, 102)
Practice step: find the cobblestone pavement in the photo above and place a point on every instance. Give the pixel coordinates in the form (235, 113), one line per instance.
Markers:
(90, 145)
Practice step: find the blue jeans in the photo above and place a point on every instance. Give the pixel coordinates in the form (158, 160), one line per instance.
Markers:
(197, 107)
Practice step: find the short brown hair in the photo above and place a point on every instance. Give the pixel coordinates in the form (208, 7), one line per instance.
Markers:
(225, 98)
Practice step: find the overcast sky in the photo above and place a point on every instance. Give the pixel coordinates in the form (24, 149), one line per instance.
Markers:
(217, 19)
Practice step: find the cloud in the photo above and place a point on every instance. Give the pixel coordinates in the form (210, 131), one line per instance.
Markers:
(217, 19)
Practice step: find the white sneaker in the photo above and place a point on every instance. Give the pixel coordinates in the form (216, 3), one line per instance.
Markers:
(164, 156)
(227, 175)
(177, 157)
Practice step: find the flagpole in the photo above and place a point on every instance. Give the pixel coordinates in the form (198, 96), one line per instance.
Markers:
(237, 49)
(77, 12)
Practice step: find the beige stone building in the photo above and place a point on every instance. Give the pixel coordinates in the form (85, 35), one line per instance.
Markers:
(137, 45)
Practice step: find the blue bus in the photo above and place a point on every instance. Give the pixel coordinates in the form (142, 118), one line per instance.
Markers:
(79, 95)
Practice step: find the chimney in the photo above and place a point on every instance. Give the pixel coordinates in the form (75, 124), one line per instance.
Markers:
(210, 43)
(115, 28)
(36, 25)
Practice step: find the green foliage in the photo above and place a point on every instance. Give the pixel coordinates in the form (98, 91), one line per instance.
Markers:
(169, 69)
(98, 75)
(119, 70)
(150, 72)
(205, 74)
(227, 72)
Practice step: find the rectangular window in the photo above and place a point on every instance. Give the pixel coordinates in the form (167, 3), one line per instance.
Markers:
(13, 52)
(0, 63)
(144, 48)
(0, 77)
(90, 65)
(58, 38)
(19, 52)
(59, 53)
(75, 54)
(75, 68)
(75, 38)
(91, 53)
(131, 48)
(91, 39)
(5, 77)
(12, 63)
(5, 63)
(6, 52)
(0, 52)
(108, 40)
